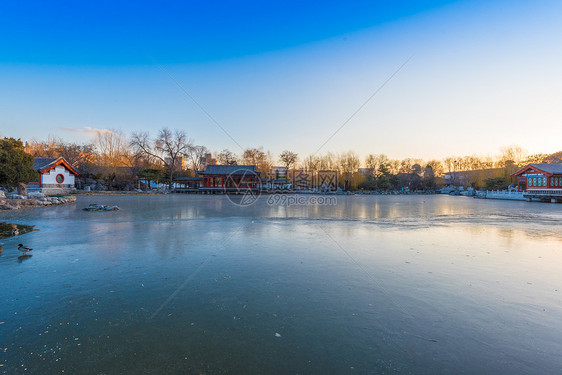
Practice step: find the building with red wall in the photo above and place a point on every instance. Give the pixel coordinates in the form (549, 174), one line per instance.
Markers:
(541, 181)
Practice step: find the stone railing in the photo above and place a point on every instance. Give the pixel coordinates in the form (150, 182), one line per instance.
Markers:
(545, 192)
(504, 194)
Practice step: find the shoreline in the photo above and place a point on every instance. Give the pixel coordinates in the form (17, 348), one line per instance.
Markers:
(218, 192)
(117, 192)
(9, 204)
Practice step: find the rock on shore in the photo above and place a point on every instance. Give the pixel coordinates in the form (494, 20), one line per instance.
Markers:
(14, 204)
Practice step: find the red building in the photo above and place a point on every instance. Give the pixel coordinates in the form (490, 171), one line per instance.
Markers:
(229, 178)
(541, 181)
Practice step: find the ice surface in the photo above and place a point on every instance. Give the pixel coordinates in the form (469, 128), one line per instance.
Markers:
(374, 284)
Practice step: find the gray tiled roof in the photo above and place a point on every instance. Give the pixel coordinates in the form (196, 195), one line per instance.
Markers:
(187, 179)
(550, 168)
(228, 170)
(42, 163)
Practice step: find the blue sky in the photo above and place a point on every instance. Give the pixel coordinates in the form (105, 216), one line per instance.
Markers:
(287, 74)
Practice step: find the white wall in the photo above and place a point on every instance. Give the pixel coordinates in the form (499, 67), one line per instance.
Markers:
(50, 177)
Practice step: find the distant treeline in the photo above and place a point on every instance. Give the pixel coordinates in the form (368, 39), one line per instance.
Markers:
(122, 161)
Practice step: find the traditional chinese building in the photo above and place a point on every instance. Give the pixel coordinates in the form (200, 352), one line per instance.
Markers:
(229, 178)
(541, 181)
(187, 184)
(55, 176)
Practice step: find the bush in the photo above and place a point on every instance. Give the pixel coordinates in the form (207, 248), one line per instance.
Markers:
(497, 183)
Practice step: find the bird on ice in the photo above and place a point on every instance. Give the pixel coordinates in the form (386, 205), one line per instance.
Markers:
(24, 249)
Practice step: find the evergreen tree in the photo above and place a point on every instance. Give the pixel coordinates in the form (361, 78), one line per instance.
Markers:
(383, 181)
(429, 177)
(15, 164)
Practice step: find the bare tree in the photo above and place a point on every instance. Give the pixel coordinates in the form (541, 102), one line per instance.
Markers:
(407, 165)
(136, 161)
(44, 149)
(256, 156)
(227, 157)
(252, 156)
(172, 145)
(323, 162)
(514, 154)
(375, 163)
(111, 147)
(348, 163)
(167, 148)
(394, 166)
(328, 162)
(449, 164)
(311, 163)
(81, 157)
(196, 155)
(288, 158)
(436, 167)
(555, 158)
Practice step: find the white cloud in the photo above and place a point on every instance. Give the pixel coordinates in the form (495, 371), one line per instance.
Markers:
(88, 130)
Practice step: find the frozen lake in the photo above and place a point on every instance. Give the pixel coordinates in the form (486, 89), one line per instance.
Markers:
(193, 284)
